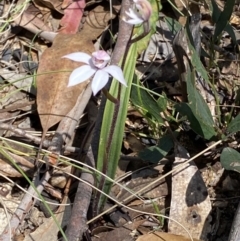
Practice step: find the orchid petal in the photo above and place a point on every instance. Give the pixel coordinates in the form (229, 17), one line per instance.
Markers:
(79, 57)
(100, 79)
(81, 74)
(135, 17)
(134, 21)
(133, 14)
(116, 72)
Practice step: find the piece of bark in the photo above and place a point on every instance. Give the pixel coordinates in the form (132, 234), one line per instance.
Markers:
(78, 221)
(190, 203)
(234, 233)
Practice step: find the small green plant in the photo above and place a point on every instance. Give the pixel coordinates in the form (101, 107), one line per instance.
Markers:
(113, 123)
(195, 110)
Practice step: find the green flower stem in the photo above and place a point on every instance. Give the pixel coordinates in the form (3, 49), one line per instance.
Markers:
(109, 96)
(146, 31)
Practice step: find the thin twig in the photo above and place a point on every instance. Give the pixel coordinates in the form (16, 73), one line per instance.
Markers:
(35, 139)
(78, 221)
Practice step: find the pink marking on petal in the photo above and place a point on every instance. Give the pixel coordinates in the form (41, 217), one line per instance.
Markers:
(100, 59)
(101, 54)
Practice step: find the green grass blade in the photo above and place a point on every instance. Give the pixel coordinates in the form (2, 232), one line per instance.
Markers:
(223, 18)
(116, 144)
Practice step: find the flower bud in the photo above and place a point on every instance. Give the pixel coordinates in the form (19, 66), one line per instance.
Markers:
(145, 9)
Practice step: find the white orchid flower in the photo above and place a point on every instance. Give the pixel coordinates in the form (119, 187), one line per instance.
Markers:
(95, 66)
(140, 14)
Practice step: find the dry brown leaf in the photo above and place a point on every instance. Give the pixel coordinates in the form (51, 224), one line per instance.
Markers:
(54, 98)
(49, 4)
(185, 7)
(231, 68)
(71, 20)
(30, 21)
(10, 202)
(113, 233)
(8, 169)
(190, 203)
(134, 143)
(66, 3)
(160, 236)
(235, 20)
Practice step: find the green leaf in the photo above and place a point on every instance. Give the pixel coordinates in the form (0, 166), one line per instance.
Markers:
(215, 16)
(154, 154)
(230, 31)
(197, 64)
(200, 109)
(197, 113)
(234, 125)
(223, 18)
(173, 25)
(215, 11)
(199, 126)
(198, 104)
(142, 99)
(162, 102)
(230, 159)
